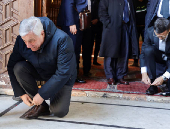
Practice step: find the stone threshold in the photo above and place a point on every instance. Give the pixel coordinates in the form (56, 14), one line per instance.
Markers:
(123, 96)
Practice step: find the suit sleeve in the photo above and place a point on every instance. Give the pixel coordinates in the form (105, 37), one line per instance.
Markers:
(103, 12)
(14, 58)
(70, 12)
(66, 65)
(147, 42)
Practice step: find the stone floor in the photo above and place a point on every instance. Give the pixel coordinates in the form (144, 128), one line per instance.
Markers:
(90, 113)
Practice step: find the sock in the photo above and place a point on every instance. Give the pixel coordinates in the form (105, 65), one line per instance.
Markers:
(44, 104)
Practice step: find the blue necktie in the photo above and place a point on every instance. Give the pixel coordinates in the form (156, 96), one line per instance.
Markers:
(126, 12)
(165, 8)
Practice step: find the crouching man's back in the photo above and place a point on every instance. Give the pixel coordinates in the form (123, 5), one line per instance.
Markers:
(42, 52)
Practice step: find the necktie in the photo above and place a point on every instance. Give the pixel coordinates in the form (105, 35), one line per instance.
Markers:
(165, 8)
(126, 12)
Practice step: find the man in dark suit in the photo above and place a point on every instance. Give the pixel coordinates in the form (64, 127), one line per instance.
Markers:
(119, 38)
(140, 9)
(88, 39)
(156, 49)
(96, 30)
(68, 19)
(157, 9)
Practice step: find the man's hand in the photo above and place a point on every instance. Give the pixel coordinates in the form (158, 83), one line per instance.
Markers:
(158, 81)
(94, 22)
(73, 29)
(37, 100)
(27, 100)
(146, 79)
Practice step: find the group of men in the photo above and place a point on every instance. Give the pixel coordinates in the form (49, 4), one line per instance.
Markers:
(42, 52)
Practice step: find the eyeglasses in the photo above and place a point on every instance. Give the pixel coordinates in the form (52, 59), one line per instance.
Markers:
(160, 36)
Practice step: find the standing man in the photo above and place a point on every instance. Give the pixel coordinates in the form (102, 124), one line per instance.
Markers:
(119, 38)
(96, 30)
(156, 49)
(140, 9)
(42, 52)
(68, 19)
(88, 38)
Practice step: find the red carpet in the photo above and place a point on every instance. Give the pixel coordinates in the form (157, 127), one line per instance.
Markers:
(97, 81)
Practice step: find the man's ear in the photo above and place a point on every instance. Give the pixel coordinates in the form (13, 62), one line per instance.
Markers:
(42, 33)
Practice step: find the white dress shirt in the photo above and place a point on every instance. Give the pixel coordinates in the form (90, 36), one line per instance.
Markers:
(159, 9)
(162, 45)
(89, 5)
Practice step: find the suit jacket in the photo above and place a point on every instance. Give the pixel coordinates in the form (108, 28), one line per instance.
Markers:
(69, 12)
(151, 40)
(111, 15)
(140, 13)
(94, 15)
(152, 9)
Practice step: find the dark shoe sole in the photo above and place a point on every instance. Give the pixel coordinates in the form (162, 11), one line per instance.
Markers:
(34, 117)
(152, 90)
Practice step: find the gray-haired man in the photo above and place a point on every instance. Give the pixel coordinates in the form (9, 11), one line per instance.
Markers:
(42, 52)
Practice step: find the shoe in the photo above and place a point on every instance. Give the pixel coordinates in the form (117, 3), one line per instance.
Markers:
(96, 63)
(152, 90)
(35, 112)
(165, 93)
(122, 81)
(80, 80)
(111, 81)
(16, 98)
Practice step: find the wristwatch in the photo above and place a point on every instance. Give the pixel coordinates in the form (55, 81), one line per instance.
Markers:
(164, 78)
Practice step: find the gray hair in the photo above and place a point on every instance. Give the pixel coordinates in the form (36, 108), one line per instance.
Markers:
(32, 24)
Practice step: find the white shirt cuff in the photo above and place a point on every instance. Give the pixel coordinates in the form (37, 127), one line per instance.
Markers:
(167, 74)
(143, 69)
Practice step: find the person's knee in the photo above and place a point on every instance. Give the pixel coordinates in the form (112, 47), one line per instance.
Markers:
(18, 68)
(149, 51)
(59, 112)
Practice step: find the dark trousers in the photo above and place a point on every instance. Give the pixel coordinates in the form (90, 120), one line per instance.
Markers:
(117, 68)
(107, 67)
(97, 35)
(77, 41)
(140, 30)
(152, 57)
(86, 50)
(27, 76)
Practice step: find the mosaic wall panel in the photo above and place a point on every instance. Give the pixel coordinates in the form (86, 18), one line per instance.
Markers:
(9, 23)
(11, 13)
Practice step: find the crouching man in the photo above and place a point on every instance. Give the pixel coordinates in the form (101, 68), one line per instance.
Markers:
(42, 52)
(156, 49)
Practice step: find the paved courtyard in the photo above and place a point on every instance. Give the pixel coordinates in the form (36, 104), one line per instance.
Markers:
(90, 113)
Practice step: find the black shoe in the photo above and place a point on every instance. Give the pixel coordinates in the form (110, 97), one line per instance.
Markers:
(165, 93)
(16, 98)
(111, 81)
(122, 81)
(152, 90)
(96, 63)
(80, 80)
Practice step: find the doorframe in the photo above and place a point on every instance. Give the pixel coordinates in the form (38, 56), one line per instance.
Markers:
(38, 8)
